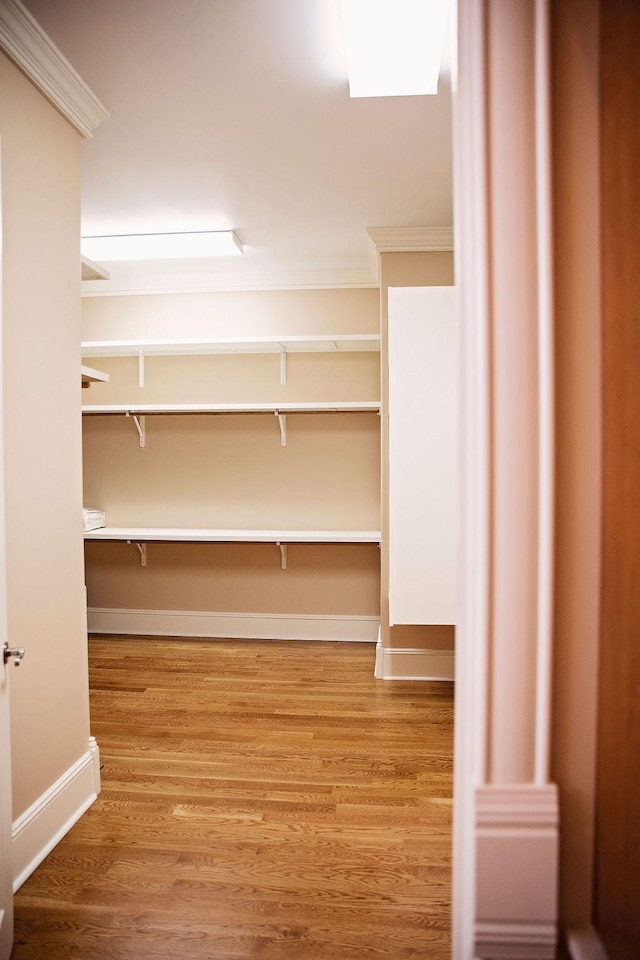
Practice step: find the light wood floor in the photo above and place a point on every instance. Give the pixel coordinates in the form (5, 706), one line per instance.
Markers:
(260, 800)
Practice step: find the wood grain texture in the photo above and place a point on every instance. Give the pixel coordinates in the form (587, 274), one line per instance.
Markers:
(260, 799)
(617, 889)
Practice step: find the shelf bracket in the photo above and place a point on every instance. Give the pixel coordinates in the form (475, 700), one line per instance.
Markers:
(283, 364)
(141, 368)
(142, 550)
(139, 424)
(283, 554)
(282, 420)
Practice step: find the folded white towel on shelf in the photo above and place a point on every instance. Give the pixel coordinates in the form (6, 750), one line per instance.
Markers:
(92, 519)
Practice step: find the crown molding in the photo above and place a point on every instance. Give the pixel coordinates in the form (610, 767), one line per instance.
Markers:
(286, 280)
(25, 42)
(411, 239)
(374, 258)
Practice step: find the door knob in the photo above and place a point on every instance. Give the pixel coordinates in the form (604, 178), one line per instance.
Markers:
(16, 652)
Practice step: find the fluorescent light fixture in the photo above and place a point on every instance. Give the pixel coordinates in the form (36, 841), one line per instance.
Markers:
(162, 246)
(394, 47)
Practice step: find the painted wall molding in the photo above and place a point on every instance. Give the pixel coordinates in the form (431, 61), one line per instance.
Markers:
(232, 626)
(406, 240)
(516, 824)
(516, 941)
(413, 663)
(36, 832)
(227, 280)
(506, 809)
(411, 239)
(26, 43)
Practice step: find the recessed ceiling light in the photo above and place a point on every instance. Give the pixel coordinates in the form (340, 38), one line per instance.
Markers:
(394, 47)
(162, 246)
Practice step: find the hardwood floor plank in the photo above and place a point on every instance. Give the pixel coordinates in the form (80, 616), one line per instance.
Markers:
(259, 799)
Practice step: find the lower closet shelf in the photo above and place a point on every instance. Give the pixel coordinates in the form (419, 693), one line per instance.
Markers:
(204, 535)
(282, 538)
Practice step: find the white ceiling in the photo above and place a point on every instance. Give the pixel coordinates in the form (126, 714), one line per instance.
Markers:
(236, 114)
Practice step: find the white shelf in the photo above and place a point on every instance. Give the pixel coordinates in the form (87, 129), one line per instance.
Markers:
(203, 535)
(92, 271)
(89, 375)
(143, 409)
(322, 343)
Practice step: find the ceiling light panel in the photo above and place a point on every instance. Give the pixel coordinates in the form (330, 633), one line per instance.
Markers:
(394, 47)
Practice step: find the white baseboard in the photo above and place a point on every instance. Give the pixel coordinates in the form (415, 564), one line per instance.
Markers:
(413, 663)
(516, 941)
(37, 831)
(517, 839)
(585, 944)
(231, 626)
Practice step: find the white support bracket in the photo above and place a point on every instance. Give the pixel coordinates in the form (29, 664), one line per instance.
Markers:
(283, 554)
(282, 420)
(142, 550)
(139, 424)
(283, 364)
(141, 368)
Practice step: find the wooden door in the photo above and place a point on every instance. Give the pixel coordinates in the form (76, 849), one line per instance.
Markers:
(617, 888)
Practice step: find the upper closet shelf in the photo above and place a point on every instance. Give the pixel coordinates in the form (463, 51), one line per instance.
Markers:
(322, 343)
(141, 409)
(89, 376)
(92, 271)
(208, 535)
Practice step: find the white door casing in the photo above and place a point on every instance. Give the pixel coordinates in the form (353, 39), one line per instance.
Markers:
(6, 874)
(506, 825)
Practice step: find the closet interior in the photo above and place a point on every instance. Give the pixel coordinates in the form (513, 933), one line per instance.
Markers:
(239, 478)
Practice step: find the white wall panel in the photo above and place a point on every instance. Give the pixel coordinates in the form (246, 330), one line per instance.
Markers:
(423, 392)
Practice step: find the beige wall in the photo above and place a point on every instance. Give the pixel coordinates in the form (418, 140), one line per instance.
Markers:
(41, 195)
(231, 471)
(250, 313)
(405, 270)
(578, 420)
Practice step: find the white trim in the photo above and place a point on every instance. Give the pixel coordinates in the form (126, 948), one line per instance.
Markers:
(585, 944)
(411, 239)
(94, 750)
(292, 343)
(26, 43)
(232, 626)
(506, 832)
(51, 816)
(472, 634)
(6, 893)
(374, 259)
(90, 375)
(92, 271)
(207, 535)
(546, 393)
(321, 406)
(516, 825)
(413, 663)
(221, 282)
(516, 941)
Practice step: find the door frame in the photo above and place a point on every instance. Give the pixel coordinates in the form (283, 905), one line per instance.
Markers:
(6, 820)
(506, 809)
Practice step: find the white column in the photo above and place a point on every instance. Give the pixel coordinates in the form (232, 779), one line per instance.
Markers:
(506, 828)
